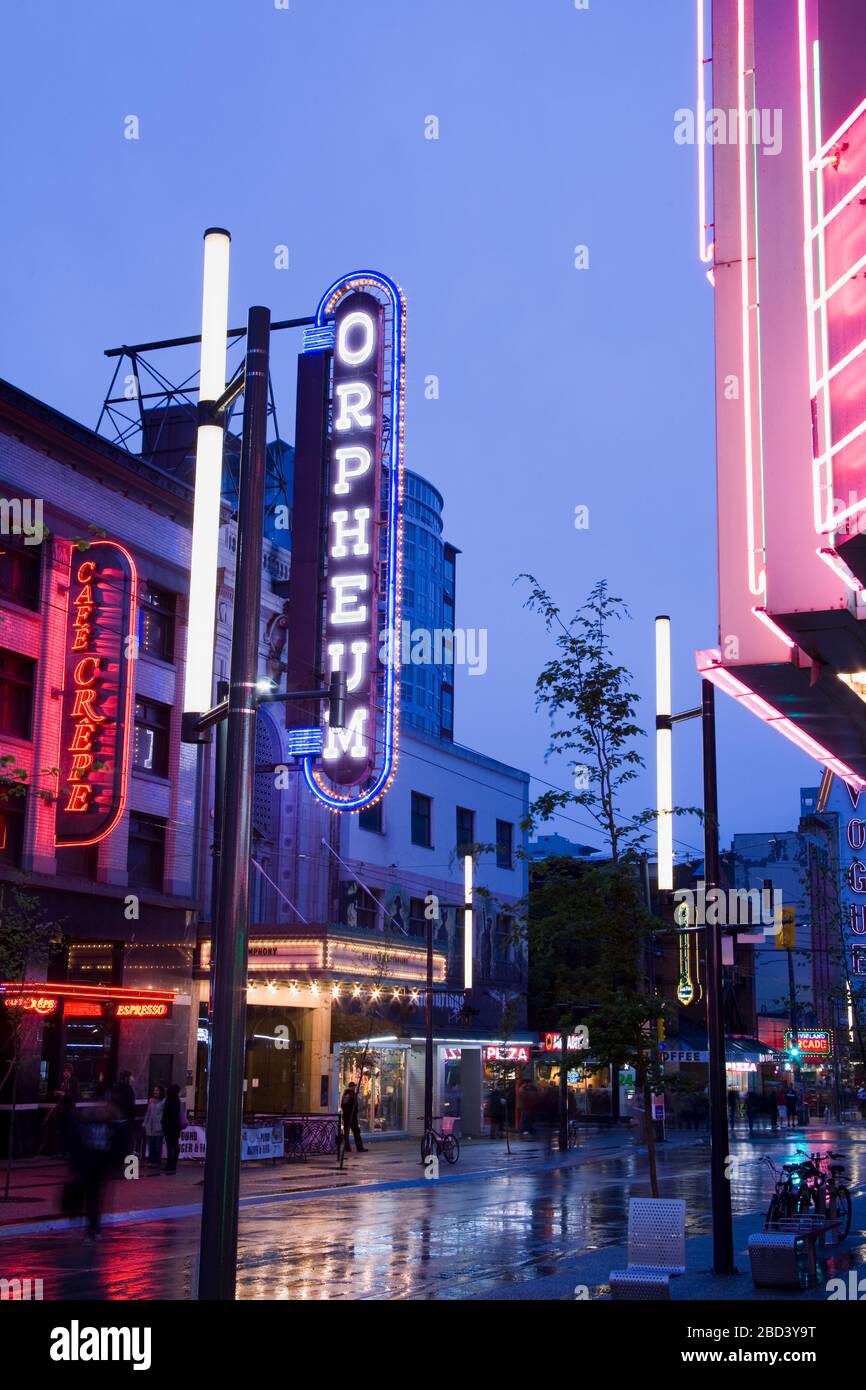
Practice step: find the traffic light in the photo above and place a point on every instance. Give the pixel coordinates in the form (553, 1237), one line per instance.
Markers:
(660, 1027)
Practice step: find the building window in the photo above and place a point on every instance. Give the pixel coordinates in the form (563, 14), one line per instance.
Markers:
(145, 860)
(367, 908)
(465, 829)
(19, 572)
(12, 808)
(446, 711)
(371, 818)
(17, 675)
(77, 861)
(422, 820)
(150, 745)
(504, 844)
(417, 918)
(156, 622)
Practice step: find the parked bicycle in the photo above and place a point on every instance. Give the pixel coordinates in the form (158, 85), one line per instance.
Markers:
(812, 1183)
(437, 1141)
(789, 1197)
(825, 1189)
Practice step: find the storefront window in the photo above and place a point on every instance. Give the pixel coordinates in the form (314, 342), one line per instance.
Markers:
(382, 1089)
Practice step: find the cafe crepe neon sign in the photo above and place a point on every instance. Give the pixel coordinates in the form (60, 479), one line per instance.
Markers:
(98, 692)
(362, 756)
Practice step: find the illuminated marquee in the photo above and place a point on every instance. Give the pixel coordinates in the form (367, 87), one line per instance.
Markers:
(97, 694)
(812, 1042)
(362, 579)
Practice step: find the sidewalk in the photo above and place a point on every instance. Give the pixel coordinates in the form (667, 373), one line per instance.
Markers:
(37, 1184)
(592, 1270)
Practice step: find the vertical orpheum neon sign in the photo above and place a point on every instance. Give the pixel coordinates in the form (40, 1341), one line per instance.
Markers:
(98, 689)
(362, 568)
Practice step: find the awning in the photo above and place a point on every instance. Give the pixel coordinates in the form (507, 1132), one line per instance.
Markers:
(690, 1045)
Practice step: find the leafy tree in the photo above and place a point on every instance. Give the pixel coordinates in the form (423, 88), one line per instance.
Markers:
(25, 939)
(589, 929)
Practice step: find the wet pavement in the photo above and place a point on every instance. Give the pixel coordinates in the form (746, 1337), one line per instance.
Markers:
(512, 1235)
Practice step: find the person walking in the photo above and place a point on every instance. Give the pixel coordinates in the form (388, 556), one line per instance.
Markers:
(773, 1104)
(153, 1127)
(861, 1101)
(173, 1122)
(733, 1108)
(497, 1111)
(349, 1111)
(791, 1104)
(122, 1097)
(89, 1160)
(66, 1096)
(753, 1109)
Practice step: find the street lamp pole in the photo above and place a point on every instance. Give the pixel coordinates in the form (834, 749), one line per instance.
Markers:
(723, 1236)
(219, 1222)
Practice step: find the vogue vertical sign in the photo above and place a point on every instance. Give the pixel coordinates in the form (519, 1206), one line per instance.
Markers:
(97, 693)
(360, 580)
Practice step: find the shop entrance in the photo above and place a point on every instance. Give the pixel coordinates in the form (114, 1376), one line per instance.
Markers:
(273, 1055)
(381, 1090)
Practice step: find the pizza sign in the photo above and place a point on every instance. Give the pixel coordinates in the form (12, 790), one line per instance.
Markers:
(98, 690)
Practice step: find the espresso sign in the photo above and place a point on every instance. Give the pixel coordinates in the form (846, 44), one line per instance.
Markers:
(98, 690)
(360, 580)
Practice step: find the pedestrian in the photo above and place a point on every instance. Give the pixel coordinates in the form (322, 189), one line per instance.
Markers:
(153, 1126)
(122, 1097)
(773, 1103)
(861, 1101)
(497, 1111)
(173, 1123)
(753, 1109)
(791, 1103)
(349, 1110)
(549, 1114)
(733, 1106)
(528, 1108)
(89, 1161)
(66, 1096)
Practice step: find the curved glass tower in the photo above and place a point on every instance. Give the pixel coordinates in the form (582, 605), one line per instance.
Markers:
(427, 676)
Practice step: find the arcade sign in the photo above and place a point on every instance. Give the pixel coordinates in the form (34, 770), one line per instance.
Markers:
(812, 1042)
(361, 580)
(98, 690)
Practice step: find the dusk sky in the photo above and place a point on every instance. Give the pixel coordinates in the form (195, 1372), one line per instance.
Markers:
(559, 387)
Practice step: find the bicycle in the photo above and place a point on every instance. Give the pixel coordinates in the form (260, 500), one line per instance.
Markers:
(791, 1197)
(445, 1145)
(823, 1188)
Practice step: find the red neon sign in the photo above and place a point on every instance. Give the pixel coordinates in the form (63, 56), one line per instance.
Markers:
(98, 691)
(42, 1004)
(142, 1010)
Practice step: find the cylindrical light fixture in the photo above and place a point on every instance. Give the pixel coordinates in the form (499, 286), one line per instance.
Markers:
(664, 768)
(198, 685)
(468, 942)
